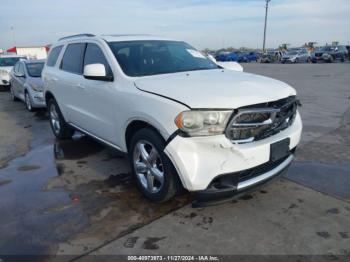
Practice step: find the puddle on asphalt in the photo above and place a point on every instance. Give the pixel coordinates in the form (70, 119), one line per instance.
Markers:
(75, 195)
(79, 147)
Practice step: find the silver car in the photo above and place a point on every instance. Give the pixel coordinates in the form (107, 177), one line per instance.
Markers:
(26, 83)
(296, 56)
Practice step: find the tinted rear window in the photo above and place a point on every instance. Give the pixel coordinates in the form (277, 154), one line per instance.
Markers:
(72, 60)
(52, 59)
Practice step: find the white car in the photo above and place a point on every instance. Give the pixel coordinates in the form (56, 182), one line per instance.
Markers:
(183, 120)
(6, 64)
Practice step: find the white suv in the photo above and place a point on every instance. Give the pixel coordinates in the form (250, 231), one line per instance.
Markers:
(184, 121)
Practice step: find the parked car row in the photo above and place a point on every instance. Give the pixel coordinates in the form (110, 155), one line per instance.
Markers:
(294, 55)
(238, 57)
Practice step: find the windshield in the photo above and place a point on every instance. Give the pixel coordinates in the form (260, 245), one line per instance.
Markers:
(35, 69)
(292, 52)
(142, 58)
(9, 61)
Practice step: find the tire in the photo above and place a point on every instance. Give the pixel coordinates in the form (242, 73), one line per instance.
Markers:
(28, 102)
(12, 95)
(342, 59)
(59, 127)
(296, 61)
(155, 175)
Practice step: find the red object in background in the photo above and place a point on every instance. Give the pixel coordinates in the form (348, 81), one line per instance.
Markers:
(47, 47)
(12, 50)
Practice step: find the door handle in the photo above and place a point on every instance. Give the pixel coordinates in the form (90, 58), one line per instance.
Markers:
(55, 79)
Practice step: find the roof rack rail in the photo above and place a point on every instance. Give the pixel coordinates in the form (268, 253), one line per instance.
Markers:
(78, 35)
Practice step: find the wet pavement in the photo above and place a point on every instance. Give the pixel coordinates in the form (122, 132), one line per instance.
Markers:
(77, 197)
(67, 195)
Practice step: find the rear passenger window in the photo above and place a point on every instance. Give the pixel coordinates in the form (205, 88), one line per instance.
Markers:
(72, 60)
(55, 52)
(94, 55)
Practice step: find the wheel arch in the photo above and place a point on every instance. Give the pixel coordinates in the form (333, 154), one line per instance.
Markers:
(48, 96)
(135, 125)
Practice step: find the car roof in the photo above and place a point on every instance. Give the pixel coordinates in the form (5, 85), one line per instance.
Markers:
(115, 37)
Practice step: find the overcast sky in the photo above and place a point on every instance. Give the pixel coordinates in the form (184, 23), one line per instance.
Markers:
(203, 23)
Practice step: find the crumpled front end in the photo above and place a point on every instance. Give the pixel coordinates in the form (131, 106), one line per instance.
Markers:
(219, 166)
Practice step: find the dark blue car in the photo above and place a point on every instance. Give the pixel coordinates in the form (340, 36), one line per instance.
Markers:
(227, 57)
(248, 57)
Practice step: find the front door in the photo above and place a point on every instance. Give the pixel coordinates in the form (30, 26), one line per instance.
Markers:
(97, 98)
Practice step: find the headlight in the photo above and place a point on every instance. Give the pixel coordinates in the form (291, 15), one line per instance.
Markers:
(36, 87)
(203, 123)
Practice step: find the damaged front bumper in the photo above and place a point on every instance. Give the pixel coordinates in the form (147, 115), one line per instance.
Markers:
(229, 186)
(203, 161)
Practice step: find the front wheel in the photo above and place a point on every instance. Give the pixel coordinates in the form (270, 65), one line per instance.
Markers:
(155, 175)
(28, 102)
(58, 125)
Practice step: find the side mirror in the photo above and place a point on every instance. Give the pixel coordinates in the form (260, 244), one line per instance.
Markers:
(96, 72)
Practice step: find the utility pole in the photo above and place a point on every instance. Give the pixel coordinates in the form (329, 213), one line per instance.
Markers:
(266, 9)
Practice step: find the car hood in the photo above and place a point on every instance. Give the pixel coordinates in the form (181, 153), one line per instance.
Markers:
(215, 88)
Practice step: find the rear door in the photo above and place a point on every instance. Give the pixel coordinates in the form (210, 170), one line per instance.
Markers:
(70, 78)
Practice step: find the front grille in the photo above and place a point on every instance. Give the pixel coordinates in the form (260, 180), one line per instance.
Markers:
(257, 122)
(260, 170)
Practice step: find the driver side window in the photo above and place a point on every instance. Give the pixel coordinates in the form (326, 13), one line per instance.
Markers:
(94, 55)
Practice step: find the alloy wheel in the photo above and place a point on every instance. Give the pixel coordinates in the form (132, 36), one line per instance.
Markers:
(148, 166)
(54, 118)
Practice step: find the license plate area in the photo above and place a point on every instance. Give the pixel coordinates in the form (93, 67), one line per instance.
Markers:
(279, 149)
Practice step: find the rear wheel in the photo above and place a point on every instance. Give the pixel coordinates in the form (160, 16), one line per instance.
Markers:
(58, 125)
(155, 175)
